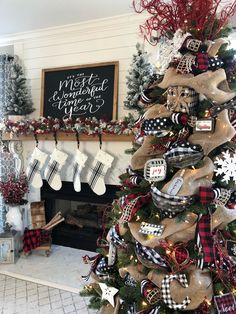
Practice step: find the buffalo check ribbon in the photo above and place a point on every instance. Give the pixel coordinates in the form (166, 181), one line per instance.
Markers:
(130, 205)
(149, 254)
(205, 242)
(206, 195)
(219, 196)
(166, 293)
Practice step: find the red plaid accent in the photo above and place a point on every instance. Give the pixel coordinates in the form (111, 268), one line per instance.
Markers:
(139, 199)
(181, 255)
(204, 308)
(202, 61)
(206, 238)
(206, 195)
(225, 303)
(35, 238)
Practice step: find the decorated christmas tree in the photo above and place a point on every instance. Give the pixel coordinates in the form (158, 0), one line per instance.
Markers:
(170, 243)
(19, 101)
(141, 75)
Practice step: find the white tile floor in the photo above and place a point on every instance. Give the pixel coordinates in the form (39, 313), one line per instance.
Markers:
(24, 297)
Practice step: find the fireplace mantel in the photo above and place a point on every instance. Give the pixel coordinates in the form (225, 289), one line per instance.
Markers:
(63, 136)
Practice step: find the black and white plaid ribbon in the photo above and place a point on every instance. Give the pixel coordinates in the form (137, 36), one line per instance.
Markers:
(103, 270)
(51, 171)
(33, 169)
(215, 110)
(170, 205)
(183, 154)
(116, 239)
(222, 196)
(97, 172)
(182, 149)
(166, 294)
(150, 255)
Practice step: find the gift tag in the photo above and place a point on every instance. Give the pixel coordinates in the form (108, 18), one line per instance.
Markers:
(151, 229)
(204, 125)
(225, 303)
(175, 186)
(155, 170)
(231, 248)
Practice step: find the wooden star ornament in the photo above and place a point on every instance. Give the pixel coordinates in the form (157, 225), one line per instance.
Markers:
(108, 293)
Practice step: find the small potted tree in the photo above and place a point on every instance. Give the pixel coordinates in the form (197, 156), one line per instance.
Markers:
(18, 99)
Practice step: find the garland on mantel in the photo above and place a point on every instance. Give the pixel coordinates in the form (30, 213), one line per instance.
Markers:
(87, 126)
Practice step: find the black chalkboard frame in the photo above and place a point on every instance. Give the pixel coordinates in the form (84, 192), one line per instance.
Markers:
(75, 67)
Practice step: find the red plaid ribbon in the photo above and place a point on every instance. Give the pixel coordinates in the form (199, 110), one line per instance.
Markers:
(93, 261)
(35, 238)
(138, 199)
(205, 239)
(206, 195)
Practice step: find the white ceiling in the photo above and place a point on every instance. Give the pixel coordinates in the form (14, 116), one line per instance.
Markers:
(26, 15)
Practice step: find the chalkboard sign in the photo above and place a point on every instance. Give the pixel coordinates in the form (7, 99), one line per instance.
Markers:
(80, 91)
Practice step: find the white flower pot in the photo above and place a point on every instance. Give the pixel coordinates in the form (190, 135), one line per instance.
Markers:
(14, 218)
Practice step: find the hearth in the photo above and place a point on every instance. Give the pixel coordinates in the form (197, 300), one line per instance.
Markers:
(82, 211)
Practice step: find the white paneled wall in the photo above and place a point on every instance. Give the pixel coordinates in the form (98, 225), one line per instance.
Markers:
(104, 40)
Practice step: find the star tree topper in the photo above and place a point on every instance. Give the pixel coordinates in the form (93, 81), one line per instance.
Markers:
(108, 293)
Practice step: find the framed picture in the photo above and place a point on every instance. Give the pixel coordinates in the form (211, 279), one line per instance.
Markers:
(80, 91)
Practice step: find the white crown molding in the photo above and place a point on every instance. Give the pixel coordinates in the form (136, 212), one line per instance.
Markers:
(114, 22)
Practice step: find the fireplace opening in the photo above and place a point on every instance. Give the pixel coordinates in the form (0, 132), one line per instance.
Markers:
(82, 210)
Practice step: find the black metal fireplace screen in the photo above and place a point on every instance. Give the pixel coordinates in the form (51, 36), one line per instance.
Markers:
(83, 212)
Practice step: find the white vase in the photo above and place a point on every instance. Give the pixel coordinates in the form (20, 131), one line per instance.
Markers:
(14, 218)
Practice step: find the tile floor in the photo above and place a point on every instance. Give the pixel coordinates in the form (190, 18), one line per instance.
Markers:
(25, 297)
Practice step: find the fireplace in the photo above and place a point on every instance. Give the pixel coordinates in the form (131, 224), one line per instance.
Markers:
(82, 211)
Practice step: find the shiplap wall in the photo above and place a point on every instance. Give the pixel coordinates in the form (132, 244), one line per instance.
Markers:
(111, 39)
